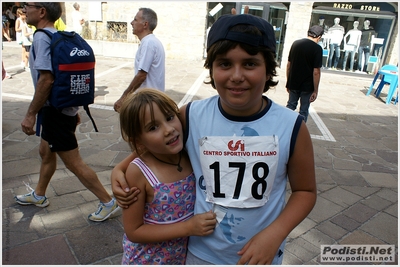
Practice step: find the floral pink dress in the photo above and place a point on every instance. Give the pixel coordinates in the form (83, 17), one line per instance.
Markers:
(172, 203)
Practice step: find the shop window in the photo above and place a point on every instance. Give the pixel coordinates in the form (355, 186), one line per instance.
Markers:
(363, 37)
(363, 43)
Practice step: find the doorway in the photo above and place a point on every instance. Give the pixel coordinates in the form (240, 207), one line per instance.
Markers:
(274, 13)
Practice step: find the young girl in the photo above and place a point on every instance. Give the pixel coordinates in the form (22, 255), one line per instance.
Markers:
(18, 29)
(244, 149)
(27, 38)
(158, 224)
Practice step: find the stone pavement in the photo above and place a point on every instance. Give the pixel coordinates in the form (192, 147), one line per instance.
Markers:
(355, 141)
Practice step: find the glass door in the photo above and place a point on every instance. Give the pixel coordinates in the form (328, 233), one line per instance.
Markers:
(277, 23)
(275, 14)
(278, 13)
(259, 9)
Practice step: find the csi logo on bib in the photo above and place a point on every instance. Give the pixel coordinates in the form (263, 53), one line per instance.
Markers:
(239, 171)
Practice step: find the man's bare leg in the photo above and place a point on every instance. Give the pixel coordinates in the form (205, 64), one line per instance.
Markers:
(73, 161)
(47, 167)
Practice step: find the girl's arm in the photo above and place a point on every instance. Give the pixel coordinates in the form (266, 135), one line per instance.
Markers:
(4, 70)
(301, 174)
(139, 232)
(6, 35)
(28, 33)
(18, 25)
(25, 32)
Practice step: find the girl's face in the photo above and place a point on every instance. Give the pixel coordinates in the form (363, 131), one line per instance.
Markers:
(240, 80)
(162, 136)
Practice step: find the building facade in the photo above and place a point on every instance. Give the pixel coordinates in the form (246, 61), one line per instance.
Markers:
(183, 26)
(379, 43)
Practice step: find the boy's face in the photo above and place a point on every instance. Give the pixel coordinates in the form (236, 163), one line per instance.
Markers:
(240, 80)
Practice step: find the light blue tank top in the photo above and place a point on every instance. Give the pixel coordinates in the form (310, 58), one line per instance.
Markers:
(238, 225)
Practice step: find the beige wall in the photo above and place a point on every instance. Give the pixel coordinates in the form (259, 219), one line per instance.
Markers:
(181, 25)
(297, 26)
(393, 53)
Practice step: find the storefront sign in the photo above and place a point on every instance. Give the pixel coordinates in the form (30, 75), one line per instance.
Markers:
(370, 8)
(343, 5)
(350, 6)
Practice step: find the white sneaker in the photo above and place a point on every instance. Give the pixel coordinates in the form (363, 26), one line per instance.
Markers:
(103, 212)
(32, 199)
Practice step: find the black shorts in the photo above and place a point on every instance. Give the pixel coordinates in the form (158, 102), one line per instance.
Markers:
(27, 48)
(58, 129)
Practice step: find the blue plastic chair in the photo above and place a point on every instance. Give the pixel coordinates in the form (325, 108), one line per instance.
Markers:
(387, 79)
(388, 75)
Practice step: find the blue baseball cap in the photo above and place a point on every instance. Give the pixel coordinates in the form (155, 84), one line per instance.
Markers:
(220, 30)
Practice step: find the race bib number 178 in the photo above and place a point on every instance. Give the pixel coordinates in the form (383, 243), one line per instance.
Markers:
(239, 171)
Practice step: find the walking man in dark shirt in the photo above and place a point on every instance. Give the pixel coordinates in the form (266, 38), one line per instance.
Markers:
(303, 71)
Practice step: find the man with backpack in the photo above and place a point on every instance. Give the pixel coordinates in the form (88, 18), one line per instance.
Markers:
(58, 124)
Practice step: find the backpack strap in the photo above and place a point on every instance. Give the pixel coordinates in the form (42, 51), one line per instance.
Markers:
(45, 31)
(86, 108)
(39, 122)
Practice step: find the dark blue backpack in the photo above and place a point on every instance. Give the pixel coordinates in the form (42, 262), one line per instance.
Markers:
(73, 64)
